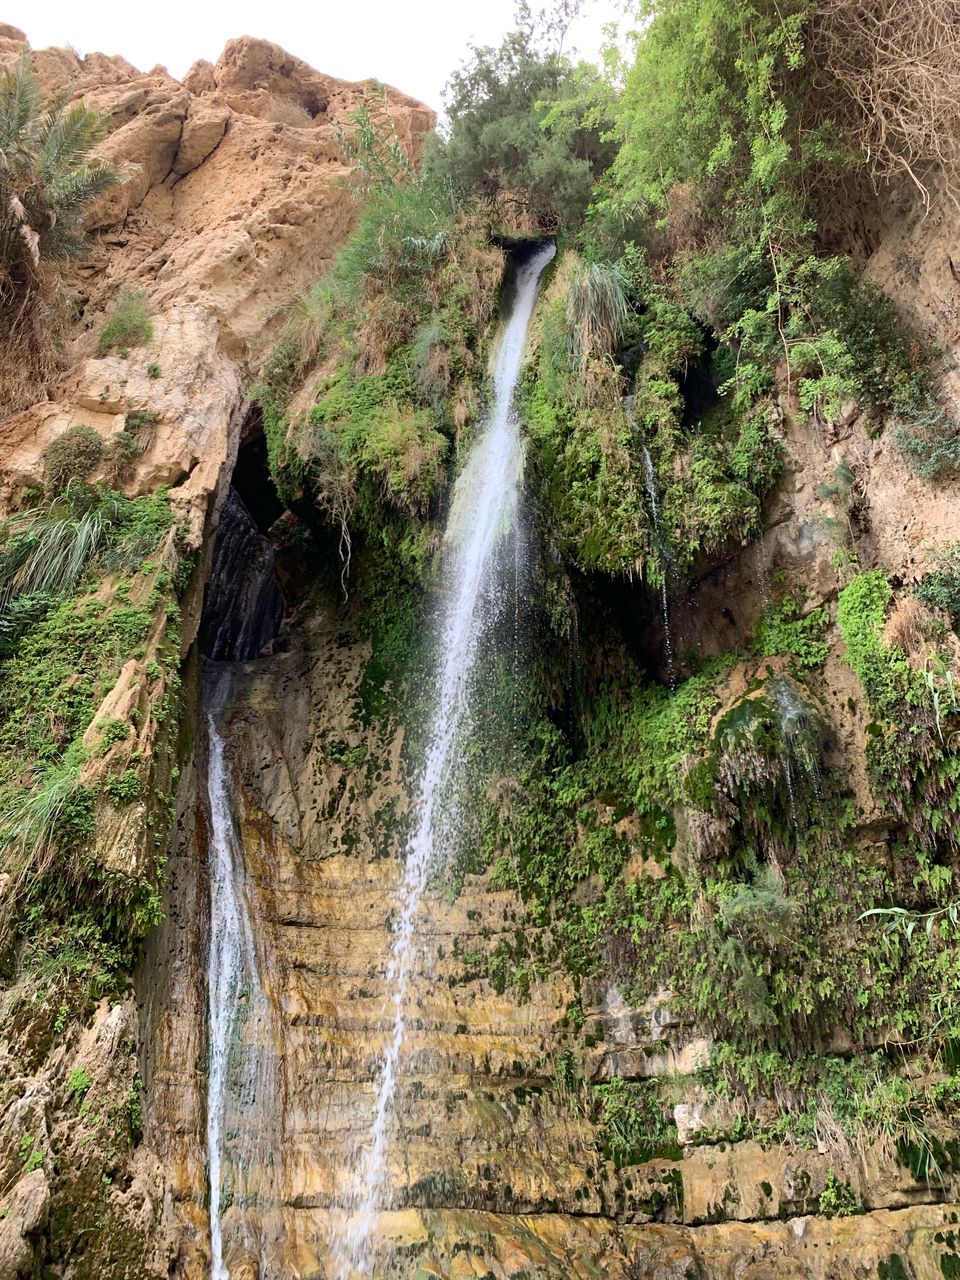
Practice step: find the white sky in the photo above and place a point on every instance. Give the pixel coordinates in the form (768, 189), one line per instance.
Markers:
(413, 45)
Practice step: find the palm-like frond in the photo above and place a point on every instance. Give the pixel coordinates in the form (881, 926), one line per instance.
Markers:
(45, 555)
(46, 181)
(20, 108)
(66, 137)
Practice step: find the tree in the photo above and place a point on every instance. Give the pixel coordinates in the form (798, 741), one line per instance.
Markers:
(508, 143)
(47, 182)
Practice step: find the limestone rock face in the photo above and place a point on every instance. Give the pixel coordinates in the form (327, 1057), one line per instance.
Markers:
(237, 197)
(492, 1169)
(23, 1213)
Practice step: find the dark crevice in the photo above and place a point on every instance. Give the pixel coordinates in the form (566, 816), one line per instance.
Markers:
(243, 607)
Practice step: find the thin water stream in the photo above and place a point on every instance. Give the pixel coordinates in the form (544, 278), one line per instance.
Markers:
(242, 1111)
(478, 567)
(242, 613)
(665, 565)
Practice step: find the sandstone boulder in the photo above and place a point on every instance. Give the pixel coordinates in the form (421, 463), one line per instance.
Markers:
(23, 1214)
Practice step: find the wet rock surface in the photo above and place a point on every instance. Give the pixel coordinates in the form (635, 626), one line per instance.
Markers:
(493, 1169)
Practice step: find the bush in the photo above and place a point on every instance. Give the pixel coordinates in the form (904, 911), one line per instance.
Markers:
(72, 456)
(128, 324)
(123, 451)
(521, 135)
(783, 629)
(941, 588)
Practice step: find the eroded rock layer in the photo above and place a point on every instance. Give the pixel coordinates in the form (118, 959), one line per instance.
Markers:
(495, 1167)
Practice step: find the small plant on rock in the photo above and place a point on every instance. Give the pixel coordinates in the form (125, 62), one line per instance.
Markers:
(47, 182)
(72, 456)
(127, 325)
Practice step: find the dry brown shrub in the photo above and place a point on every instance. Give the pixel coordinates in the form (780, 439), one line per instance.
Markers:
(409, 457)
(914, 629)
(386, 323)
(29, 325)
(475, 262)
(280, 110)
(436, 372)
(904, 627)
(897, 67)
(684, 226)
(464, 403)
(600, 383)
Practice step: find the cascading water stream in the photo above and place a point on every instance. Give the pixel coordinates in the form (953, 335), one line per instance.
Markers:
(242, 613)
(241, 1093)
(665, 565)
(484, 518)
(797, 739)
(229, 930)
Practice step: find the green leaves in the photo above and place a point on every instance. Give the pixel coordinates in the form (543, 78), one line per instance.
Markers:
(46, 182)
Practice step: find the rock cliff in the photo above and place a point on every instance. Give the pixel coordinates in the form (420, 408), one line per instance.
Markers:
(504, 1166)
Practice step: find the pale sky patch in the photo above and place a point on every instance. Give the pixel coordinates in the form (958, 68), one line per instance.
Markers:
(413, 46)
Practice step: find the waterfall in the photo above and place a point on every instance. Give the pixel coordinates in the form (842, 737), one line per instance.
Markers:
(482, 523)
(665, 562)
(242, 1132)
(798, 743)
(242, 614)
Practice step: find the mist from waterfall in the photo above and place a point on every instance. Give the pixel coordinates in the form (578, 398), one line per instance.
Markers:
(481, 543)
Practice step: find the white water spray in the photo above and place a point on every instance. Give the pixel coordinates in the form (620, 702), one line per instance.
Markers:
(665, 565)
(483, 519)
(241, 1094)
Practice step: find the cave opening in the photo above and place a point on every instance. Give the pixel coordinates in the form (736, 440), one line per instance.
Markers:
(243, 605)
(251, 474)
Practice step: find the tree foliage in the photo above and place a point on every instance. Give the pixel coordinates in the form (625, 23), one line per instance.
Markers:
(518, 136)
(47, 182)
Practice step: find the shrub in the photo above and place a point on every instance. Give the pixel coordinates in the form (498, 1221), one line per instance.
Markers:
(72, 456)
(596, 309)
(140, 420)
(128, 324)
(124, 788)
(783, 629)
(153, 370)
(941, 587)
(56, 816)
(122, 453)
(78, 1083)
(518, 136)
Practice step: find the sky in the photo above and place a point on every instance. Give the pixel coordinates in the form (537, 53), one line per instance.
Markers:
(413, 45)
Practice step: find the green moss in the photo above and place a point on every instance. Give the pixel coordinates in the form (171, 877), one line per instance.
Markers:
(633, 1125)
(892, 1268)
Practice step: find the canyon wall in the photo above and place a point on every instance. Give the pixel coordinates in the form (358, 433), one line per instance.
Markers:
(501, 1166)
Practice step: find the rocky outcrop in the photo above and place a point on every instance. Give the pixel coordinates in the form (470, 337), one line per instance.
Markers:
(496, 1167)
(243, 607)
(237, 197)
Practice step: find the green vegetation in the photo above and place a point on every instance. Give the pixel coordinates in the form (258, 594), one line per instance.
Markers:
(397, 327)
(47, 182)
(633, 1124)
(940, 588)
(74, 455)
(78, 597)
(78, 1083)
(784, 629)
(128, 323)
(521, 137)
